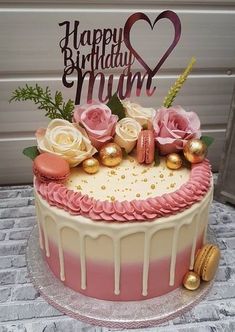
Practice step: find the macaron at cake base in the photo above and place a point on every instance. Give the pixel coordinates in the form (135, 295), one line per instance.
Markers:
(207, 261)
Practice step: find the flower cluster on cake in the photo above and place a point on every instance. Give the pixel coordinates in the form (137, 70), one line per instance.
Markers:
(122, 194)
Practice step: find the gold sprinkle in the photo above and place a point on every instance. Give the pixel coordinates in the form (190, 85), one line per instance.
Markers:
(137, 195)
(91, 192)
(153, 186)
(149, 193)
(136, 181)
(113, 172)
(144, 171)
(123, 177)
(145, 180)
(171, 174)
(132, 160)
(172, 185)
(134, 174)
(103, 187)
(79, 187)
(84, 181)
(161, 176)
(112, 198)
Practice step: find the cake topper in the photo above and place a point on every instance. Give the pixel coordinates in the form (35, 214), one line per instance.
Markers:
(88, 53)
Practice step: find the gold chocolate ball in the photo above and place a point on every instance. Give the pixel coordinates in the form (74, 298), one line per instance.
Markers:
(173, 161)
(191, 280)
(195, 151)
(111, 154)
(91, 165)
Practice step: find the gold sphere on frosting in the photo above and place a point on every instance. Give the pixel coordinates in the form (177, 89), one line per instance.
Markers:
(91, 165)
(191, 280)
(173, 161)
(195, 151)
(111, 154)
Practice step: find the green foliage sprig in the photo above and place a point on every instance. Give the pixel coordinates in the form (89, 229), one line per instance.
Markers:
(54, 107)
(168, 100)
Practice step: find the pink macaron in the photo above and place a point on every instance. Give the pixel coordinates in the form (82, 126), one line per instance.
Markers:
(145, 147)
(50, 167)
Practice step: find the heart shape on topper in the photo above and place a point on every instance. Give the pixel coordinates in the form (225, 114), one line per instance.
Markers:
(173, 17)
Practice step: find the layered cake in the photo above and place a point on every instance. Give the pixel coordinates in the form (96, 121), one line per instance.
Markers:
(126, 233)
(122, 195)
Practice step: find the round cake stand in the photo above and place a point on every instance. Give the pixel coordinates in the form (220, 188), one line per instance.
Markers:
(116, 314)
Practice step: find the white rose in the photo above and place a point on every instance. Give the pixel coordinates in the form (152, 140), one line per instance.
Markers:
(66, 140)
(141, 114)
(127, 132)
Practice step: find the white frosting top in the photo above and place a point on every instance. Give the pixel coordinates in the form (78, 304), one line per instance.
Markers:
(128, 181)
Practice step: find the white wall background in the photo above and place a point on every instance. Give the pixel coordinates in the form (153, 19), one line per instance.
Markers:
(29, 53)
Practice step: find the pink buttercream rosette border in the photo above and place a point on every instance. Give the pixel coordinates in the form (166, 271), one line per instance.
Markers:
(136, 210)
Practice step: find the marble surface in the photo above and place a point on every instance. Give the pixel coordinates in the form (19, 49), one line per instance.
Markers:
(22, 309)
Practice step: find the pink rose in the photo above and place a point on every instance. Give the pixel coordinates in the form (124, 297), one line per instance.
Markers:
(98, 121)
(173, 127)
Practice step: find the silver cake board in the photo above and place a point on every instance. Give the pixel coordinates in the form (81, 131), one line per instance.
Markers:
(111, 314)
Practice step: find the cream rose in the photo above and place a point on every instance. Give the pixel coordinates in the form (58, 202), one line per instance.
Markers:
(141, 114)
(66, 140)
(127, 132)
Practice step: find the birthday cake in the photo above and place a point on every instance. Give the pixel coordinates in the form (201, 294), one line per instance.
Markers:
(122, 196)
(122, 192)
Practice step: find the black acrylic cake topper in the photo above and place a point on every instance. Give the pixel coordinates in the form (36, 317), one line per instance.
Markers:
(106, 51)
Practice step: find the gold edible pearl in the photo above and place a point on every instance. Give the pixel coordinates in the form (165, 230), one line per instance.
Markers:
(195, 151)
(91, 165)
(173, 161)
(111, 154)
(191, 280)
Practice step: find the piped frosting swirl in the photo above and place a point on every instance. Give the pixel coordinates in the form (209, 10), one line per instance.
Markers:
(76, 203)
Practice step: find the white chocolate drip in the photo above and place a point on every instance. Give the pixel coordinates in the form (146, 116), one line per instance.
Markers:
(117, 266)
(82, 261)
(195, 216)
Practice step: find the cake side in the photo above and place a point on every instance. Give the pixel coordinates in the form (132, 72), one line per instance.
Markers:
(122, 261)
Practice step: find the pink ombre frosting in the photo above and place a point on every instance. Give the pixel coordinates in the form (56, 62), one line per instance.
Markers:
(136, 210)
